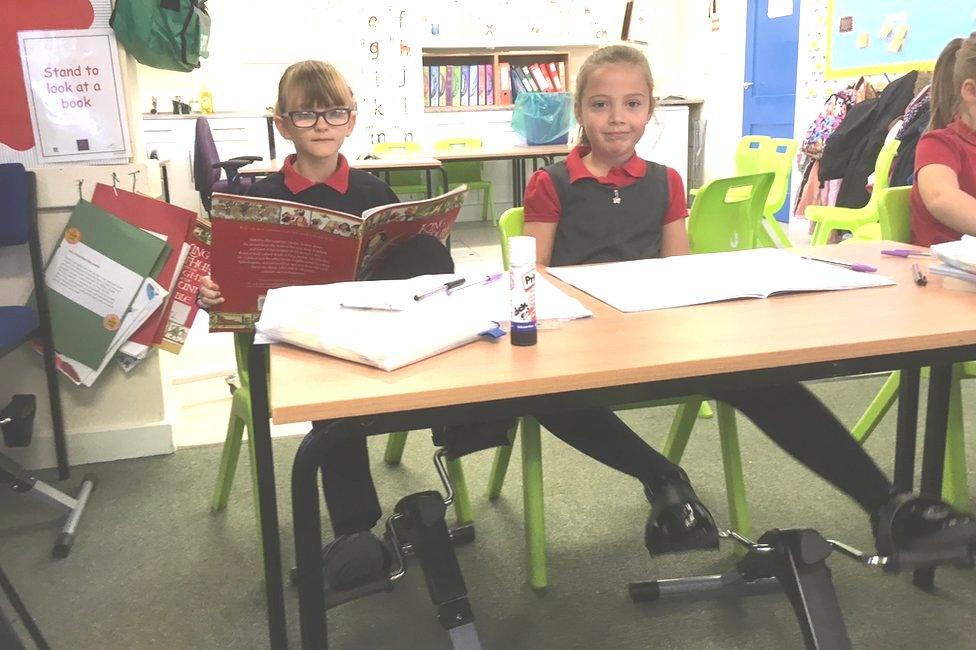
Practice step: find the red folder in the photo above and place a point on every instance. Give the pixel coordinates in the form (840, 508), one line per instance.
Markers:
(504, 83)
(149, 214)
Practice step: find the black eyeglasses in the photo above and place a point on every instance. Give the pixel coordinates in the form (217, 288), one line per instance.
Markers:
(308, 119)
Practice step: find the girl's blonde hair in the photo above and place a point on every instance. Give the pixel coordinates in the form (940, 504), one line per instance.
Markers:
(313, 83)
(606, 56)
(955, 65)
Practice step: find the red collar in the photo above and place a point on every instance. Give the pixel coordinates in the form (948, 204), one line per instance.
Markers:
(634, 168)
(962, 130)
(296, 183)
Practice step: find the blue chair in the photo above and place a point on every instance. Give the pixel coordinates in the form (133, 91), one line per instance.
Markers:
(19, 324)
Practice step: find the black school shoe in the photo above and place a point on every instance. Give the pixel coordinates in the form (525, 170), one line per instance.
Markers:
(678, 522)
(919, 524)
(355, 560)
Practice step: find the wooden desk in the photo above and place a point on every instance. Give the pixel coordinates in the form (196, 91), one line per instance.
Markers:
(518, 156)
(262, 168)
(617, 358)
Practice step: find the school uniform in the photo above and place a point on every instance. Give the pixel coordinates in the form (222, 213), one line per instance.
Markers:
(620, 217)
(954, 147)
(346, 479)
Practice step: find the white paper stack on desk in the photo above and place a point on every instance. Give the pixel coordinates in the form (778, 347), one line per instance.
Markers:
(383, 325)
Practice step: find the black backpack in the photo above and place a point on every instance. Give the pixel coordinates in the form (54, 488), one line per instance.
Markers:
(166, 34)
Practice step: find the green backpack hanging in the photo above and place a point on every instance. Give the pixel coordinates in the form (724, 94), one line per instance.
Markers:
(166, 34)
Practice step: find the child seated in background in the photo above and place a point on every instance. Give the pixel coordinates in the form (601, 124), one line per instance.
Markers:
(605, 204)
(944, 191)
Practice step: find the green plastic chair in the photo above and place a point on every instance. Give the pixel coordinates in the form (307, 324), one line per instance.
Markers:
(727, 214)
(761, 153)
(831, 218)
(777, 156)
(894, 224)
(403, 182)
(240, 420)
(468, 173)
(510, 224)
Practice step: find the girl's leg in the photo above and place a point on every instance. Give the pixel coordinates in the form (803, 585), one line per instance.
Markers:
(602, 435)
(347, 483)
(678, 521)
(798, 422)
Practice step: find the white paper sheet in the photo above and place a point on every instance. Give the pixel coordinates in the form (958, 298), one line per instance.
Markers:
(644, 285)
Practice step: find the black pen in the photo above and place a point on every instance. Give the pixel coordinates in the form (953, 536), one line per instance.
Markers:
(920, 278)
(444, 287)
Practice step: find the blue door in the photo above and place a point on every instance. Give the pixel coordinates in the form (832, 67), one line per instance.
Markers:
(769, 96)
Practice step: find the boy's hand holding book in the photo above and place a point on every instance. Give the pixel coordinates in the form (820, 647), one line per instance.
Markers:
(209, 294)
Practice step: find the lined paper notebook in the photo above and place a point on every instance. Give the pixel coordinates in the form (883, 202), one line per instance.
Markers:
(645, 285)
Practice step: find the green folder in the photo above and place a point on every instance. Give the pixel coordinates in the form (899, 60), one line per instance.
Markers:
(79, 332)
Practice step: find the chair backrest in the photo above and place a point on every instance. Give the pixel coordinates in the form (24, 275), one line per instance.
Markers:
(452, 144)
(882, 166)
(510, 224)
(13, 205)
(749, 154)
(895, 213)
(399, 148)
(242, 344)
(778, 158)
(415, 179)
(205, 156)
(727, 213)
(461, 171)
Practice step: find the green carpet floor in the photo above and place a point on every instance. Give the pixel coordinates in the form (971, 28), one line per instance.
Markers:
(153, 568)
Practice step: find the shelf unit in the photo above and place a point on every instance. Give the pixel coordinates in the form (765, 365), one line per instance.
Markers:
(491, 57)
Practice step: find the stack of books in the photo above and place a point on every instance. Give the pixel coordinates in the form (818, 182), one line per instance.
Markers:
(122, 280)
(541, 77)
(958, 267)
(459, 85)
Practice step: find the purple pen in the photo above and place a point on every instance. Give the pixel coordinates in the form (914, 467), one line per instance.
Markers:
(488, 279)
(860, 268)
(906, 252)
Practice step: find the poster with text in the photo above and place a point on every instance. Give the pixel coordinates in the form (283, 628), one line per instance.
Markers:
(74, 88)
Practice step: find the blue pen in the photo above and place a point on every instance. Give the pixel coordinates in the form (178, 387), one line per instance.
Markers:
(488, 279)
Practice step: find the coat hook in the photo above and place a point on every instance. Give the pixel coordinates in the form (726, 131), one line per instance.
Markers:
(134, 175)
(81, 182)
(115, 182)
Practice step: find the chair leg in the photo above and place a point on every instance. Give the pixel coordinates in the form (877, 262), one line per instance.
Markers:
(821, 234)
(877, 409)
(252, 454)
(499, 466)
(534, 511)
(462, 501)
(735, 483)
(394, 447)
(490, 206)
(228, 463)
(681, 426)
(705, 411)
(955, 488)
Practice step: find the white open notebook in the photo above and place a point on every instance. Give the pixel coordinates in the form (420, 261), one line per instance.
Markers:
(397, 330)
(643, 285)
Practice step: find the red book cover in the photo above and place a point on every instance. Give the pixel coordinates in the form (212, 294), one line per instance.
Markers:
(260, 244)
(182, 308)
(539, 77)
(553, 71)
(159, 217)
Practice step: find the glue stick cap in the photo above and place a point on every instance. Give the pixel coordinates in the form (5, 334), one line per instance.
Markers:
(521, 250)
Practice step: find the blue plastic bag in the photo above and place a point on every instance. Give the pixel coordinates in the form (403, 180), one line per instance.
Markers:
(543, 118)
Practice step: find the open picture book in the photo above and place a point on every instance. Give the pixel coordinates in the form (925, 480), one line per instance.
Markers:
(644, 285)
(258, 244)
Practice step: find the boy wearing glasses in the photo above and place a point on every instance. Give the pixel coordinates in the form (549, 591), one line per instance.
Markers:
(316, 111)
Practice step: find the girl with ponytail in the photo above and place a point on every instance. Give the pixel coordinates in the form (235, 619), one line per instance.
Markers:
(944, 192)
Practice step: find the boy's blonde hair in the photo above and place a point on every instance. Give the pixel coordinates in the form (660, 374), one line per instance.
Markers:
(313, 83)
(606, 56)
(955, 65)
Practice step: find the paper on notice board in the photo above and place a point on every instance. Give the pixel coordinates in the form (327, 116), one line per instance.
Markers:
(74, 88)
(779, 8)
